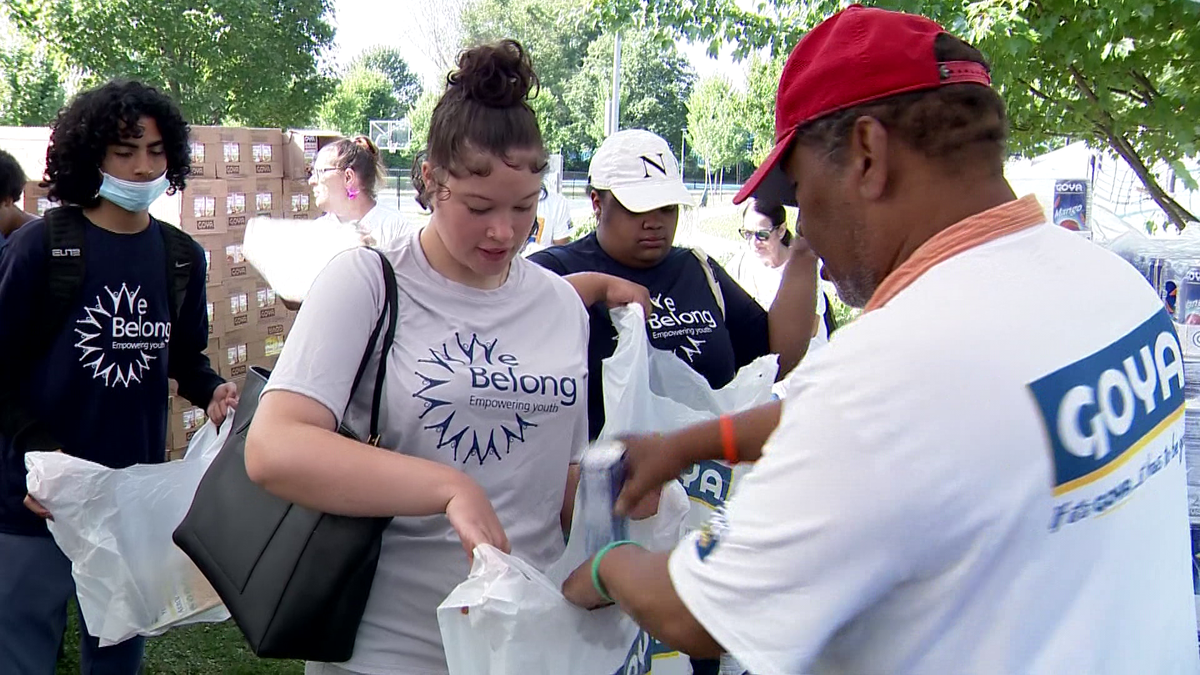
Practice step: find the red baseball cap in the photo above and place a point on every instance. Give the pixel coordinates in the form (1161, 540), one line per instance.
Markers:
(859, 55)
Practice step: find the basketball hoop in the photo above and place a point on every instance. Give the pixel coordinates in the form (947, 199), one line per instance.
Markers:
(391, 135)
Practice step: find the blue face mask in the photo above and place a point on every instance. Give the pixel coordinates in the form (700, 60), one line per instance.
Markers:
(133, 196)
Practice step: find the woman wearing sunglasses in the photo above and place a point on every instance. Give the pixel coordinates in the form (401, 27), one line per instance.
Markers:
(759, 267)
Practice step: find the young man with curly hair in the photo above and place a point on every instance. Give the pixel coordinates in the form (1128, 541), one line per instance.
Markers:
(92, 382)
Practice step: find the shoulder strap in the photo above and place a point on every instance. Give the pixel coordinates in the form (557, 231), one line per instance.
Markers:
(66, 265)
(179, 265)
(386, 318)
(712, 278)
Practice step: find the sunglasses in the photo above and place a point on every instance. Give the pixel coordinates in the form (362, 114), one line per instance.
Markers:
(760, 235)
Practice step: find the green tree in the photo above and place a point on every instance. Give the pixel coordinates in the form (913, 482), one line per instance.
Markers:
(364, 94)
(406, 86)
(714, 130)
(1119, 74)
(31, 90)
(557, 36)
(757, 107)
(419, 118)
(246, 61)
(656, 81)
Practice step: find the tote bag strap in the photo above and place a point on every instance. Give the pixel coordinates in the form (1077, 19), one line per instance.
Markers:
(385, 325)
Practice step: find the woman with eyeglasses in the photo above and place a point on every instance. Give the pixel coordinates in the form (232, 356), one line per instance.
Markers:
(344, 179)
(760, 266)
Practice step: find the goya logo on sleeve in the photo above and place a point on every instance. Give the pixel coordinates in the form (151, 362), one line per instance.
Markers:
(1104, 411)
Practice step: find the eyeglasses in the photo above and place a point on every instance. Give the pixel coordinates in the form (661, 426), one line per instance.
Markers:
(761, 235)
(321, 172)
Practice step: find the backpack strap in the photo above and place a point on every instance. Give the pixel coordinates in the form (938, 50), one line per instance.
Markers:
(179, 247)
(713, 285)
(65, 265)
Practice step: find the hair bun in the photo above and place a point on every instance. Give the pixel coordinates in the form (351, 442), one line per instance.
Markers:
(497, 75)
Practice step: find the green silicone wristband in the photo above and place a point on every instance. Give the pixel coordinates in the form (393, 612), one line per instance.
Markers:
(596, 567)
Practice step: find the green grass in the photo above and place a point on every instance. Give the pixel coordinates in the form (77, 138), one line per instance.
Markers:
(202, 649)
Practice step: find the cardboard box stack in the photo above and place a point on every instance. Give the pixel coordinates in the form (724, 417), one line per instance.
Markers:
(243, 173)
(236, 174)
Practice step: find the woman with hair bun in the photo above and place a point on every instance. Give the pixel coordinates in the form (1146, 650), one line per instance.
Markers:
(486, 397)
(345, 176)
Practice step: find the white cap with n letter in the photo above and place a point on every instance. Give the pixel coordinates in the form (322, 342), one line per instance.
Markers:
(640, 170)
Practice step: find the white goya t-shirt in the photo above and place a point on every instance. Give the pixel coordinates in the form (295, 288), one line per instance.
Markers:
(384, 224)
(983, 476)
(553, 220)
(491, 382)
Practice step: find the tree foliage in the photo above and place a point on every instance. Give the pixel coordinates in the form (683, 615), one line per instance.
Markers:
(557, 37)
(757, 106)
(31, 91)
(656, 81)
(254, 62)
(406, 86)
(419, 119)
(714, 129)
(1119, 74)
(364, 94)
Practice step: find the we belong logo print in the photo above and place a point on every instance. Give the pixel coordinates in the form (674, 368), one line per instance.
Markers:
(463, 381)
(117, 337)
(669, 322)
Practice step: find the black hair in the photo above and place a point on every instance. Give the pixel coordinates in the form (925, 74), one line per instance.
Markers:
(484, 110)
(773, 212)
(942, 123)
(98, 118)
(12, 177)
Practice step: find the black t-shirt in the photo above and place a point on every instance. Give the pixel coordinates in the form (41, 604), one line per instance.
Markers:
(686, 320)
(100, 385)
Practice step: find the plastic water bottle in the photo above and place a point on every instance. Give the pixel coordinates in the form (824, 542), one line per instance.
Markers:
(602, 475)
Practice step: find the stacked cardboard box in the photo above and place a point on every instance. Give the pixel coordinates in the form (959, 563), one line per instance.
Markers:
(245, 178)
(236, 174)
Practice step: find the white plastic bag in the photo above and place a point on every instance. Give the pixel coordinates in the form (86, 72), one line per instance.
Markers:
(115, 526)
(648, 390)
(508, 618)
(290, 254)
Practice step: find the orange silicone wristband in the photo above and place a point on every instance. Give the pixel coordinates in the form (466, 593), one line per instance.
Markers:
(728, 443)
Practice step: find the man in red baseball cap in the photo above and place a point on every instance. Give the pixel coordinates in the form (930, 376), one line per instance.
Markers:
(972, 477)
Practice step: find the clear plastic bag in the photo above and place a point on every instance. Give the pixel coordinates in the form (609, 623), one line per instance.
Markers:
(115, 526)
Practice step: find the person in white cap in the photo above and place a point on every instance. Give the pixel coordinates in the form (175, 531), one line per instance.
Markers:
(972, 477)
(700, 312)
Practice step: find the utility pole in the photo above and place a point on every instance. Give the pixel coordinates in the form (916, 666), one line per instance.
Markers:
(614, 121)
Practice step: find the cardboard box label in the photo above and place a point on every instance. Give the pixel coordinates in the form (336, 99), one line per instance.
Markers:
(263, 201)
(204, 206)
(263, 153)
(197, 152)
(232, 151)
(273, 345)
(300, 203)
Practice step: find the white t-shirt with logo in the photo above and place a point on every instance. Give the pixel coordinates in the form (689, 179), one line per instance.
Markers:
(553, 221)
(384, 224)
(493, 383)
(983, 476)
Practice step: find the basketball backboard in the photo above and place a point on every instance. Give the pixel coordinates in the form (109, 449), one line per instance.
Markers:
(391, 135)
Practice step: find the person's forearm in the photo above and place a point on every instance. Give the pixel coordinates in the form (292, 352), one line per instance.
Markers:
(321, 470)
(751, 428)
(589, 285)
(792, 317)
(640, 583)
